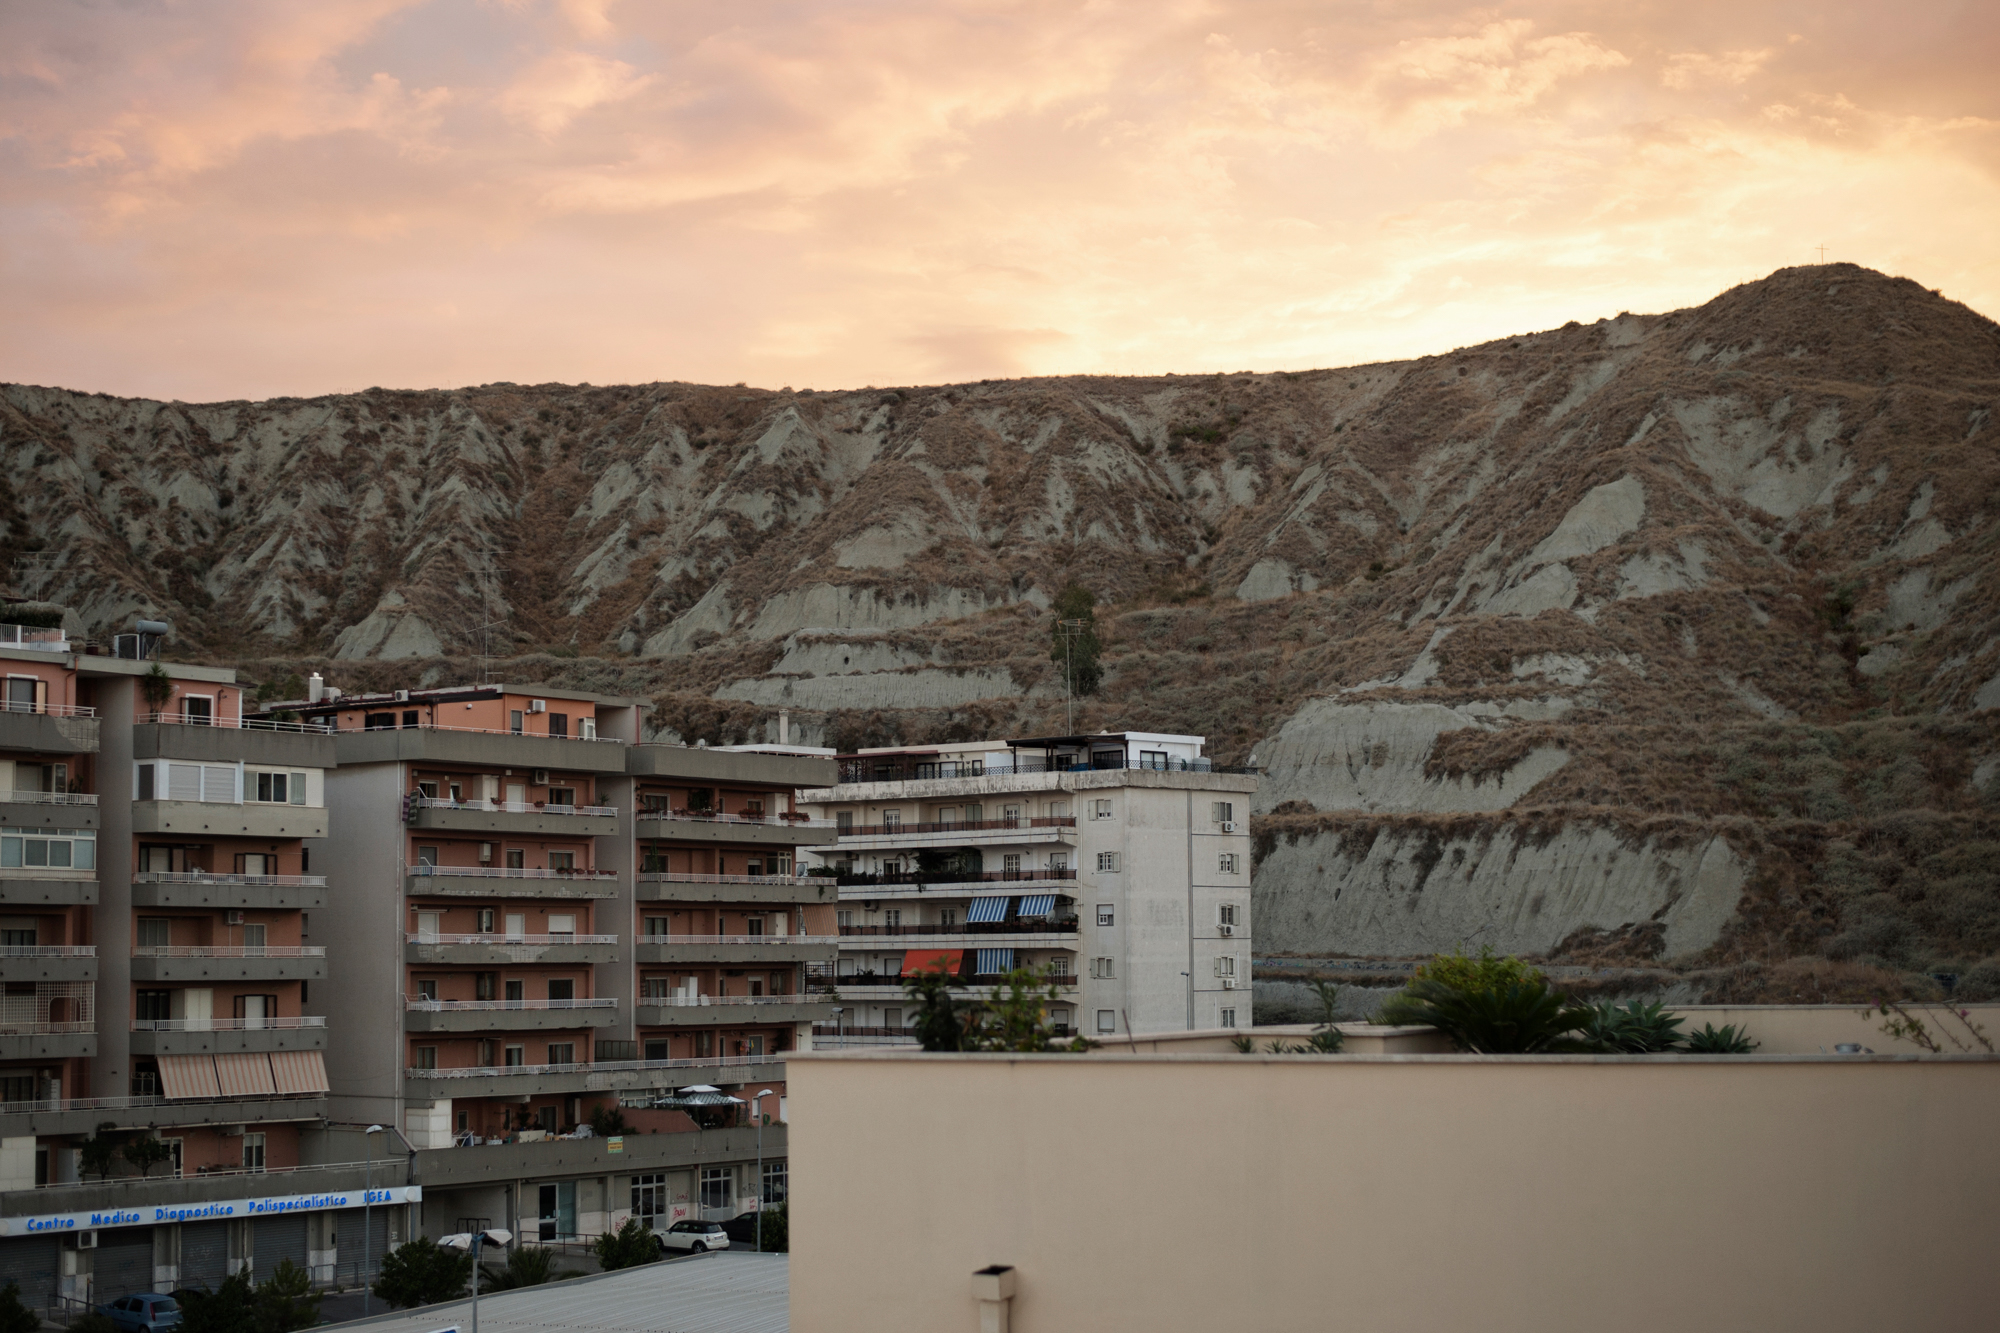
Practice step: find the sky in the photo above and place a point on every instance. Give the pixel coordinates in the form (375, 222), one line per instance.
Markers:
(211, 201)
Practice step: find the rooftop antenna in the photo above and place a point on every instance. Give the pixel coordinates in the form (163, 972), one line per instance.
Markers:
(1822, 256)
(1070, 629)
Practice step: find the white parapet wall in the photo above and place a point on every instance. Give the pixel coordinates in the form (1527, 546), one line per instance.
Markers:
(1396, 1193)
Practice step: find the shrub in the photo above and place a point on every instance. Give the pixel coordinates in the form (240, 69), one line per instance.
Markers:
(628, 1247)
(1725, 1040)
(1633, 1028)
(774, 1229)
(230, 1308)
(286, 1300)
(1516, 1018)
(94, 1322)
(422, 1272)
(1486, 972)
(146, 1153)
(1323, 1042)
(15, 1316)
(1246, 1045)
(605, 1122)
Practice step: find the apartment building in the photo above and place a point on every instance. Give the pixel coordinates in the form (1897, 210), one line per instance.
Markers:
(1117, 863)
(155, 896)
(540, 918)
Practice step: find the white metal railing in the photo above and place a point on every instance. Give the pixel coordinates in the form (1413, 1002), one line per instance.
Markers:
(48, 951)
(273, 1023)
(601, 1066)
(50, 710)
(689, 877)
(739, 939)
(204, 877)
(36, 637)
(707, 1001)
(420, 937)
(511, 807)
(477, 731)
(507, 872)
(50, 797)
(33, 1029)
(781, 819)
(44, 1105)
(418, 1004)
(229, 951)
(382, 1168)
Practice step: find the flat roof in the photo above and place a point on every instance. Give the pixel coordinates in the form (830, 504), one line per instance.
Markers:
(447, 694)
(1100, 737)
(728, 1291)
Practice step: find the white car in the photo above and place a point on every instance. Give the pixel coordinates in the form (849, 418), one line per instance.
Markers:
(694, 1237)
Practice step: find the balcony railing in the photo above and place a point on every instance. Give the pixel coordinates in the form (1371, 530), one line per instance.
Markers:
(229, 951)
(419, 937)
(892, 770)
(923, 877)
(1066, 981)
(708, 1001)
(270, 1024)
(228, 723)
(689, 877)
(35, 637)
(509, 807)
(783, 819)
(1058, 925)
(50, 797)
(418, 1004)
(243, 881)
(383, 1168)
(48, 951)
(47, 1105)
(830, 1030)
(739, 939)
(601, 1066)
(32, 1029)
(329, 726)
(510, 872)
(958, 826)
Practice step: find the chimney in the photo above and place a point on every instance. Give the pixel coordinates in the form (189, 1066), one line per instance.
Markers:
(784, 726)
(315, 688)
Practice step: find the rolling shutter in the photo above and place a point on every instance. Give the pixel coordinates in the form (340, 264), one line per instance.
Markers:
(277, 1239)
(204, 1254)
(122, 1264)
(32, 1262)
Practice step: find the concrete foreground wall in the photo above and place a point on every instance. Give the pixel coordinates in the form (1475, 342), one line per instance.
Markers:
(1237, 1192)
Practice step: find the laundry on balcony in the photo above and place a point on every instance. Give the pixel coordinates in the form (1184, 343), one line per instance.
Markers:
(989, 908)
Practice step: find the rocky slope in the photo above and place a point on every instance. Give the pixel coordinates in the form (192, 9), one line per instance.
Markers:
(1665, 639)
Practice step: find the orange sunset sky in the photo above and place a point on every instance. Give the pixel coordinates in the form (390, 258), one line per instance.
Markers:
(210, 200)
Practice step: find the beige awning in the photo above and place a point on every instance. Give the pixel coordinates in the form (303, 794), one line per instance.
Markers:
(245, 1075)
(188, 1077)
(299, 1072)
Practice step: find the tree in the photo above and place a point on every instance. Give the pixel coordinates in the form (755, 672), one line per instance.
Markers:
(97, 1153)
(773, 1230)
(941, 1017)
(630, 1246)
(15, 1316)
(146, 1152)
(1017, 1017)
(1074, 638)
(230, 1308)
(422, 1272)
(157, 687)
(286, 1300)
(608, 1121)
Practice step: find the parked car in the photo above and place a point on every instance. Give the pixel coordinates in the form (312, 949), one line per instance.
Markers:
(693, 1236)
(144, 1313)
(742, 1228)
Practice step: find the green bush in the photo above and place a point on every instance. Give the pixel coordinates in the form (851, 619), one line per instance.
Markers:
(15, 1316)
(230, 1308)
(630, 1246)
(1515, 1018)
(1726, 1040)
(1486, 972)
(774, 1229)
(1633, 1028)
(286, 1300)
(422, 1272)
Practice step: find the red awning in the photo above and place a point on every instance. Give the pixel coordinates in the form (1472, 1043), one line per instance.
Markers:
(299, 1071)
(918, 960)
(247, 1075)
(188, 1076)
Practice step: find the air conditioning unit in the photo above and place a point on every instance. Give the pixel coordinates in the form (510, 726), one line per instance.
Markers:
(538, 705)
(402, 696)
(235, 918)
(1229, 826)
(1229, 983)
(541, 777)
(81, 1240)
(1225, 931)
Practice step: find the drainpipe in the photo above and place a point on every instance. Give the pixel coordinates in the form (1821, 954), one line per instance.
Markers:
(993, 1288)
(784, 726)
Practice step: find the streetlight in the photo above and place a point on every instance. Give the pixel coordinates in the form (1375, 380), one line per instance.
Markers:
(472, 1241)
(757, 1110)
(368, 1217)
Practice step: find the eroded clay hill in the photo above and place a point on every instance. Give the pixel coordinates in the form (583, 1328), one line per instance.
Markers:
(1668, 638)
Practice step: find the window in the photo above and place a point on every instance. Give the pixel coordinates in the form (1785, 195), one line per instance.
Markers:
(1058, 860)
(1107, 1020)
(64, 849)
(1224, 812)
(1011, 863)
(892, 918)
(1106, 915)
(649, 1197)
(562, 1052)
(1107, 861)
(427, 988)
(659, 1050)
(1156, 759)
(658, 927)
(892, 1018)
(843, 821)
(517, 859)
(253, 1146)
(562, 796)
(154, 932)
(1229, 1018)
(947, 814)
(777, 1182)
(844, 918)
(1010, 813)
(514, 992)
(1226, 863)
(558, 724)
(428, 790)
(514, 1055)
(562, 988)
(1102, 969)
(153, 1006)
(562, 860)
(753, 925)
(484, 916)
(273, 788)
(1225, 967)
(1059, 965)
(1100, 809)
(198, 710)
(409, 717)
(378, 722)
(514, 721)
(948, 917)
(485, 985)
(718, 1186)
(18, 939)
(427, 856)
(427, 1057)
(256, 935)
(562, 923)
(892, 819)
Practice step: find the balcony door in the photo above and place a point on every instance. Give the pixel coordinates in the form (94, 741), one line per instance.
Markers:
(428, 926)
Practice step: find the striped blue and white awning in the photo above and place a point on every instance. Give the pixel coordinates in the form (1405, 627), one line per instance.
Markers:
(993, 962)
(989, 909)
(1037, 904)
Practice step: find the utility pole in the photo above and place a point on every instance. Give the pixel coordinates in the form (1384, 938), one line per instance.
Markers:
(1070, 629)
(1822, 256)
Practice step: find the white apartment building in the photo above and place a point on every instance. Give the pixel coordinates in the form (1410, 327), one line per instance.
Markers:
(1118, 861)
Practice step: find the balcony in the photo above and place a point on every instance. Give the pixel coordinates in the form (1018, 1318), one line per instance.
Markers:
(229, 741)
(50, 729)
(782, 830)
(501, 950)
(978, 986)
(732, 1010)
(943, 881)
(198, 888)
(516, 817)
(227, 1036)
(229, 819)
(602, 1076)
(138, 1193)
(427, 881)
(1018, 933)
(1034, 831)
(216, 963)
(736, 950)
(48, 1040)
(670, 886)
(82, 1115)
(47, 888)
(48, 962)
(48, 1020)
(421, 1015)
(479, 747)
(45, 811)
(449, 1168)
